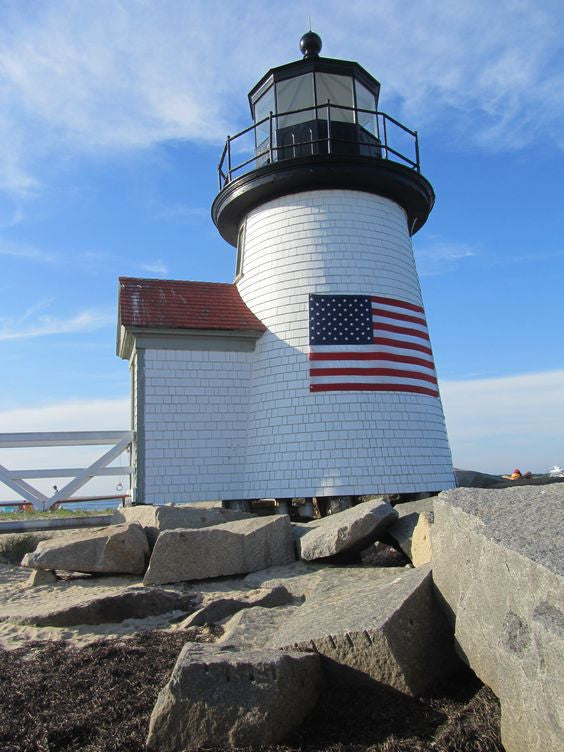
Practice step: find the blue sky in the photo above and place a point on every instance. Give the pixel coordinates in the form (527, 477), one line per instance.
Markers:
(112, 120)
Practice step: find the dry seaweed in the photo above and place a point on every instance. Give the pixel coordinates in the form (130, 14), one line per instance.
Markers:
(56, 698)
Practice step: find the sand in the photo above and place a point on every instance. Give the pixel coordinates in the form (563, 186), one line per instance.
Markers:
(17, 598)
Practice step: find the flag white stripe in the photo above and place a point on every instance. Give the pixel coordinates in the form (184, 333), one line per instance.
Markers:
(397, 310)
(398, 366)
(399, 322)
(372, 380)
(392, 349)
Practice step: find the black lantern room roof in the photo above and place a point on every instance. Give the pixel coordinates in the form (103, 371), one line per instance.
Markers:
(310, 45)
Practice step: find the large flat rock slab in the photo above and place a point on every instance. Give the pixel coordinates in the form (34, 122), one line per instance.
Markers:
(498, 565)
(386, 628)
(111, 609)
(220, 608)
(116, 549)
(232, 548)
(155, 519)
(353, 528)
(225, 698)
(255, 627)
(14, 546)
(298, 578)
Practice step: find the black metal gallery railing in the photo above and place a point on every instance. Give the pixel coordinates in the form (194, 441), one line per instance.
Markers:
(329, 129)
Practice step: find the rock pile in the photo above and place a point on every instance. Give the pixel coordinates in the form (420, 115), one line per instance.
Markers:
(296, 612)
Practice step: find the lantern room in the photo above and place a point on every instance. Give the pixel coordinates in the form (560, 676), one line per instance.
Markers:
(315, 106)
(316, 124)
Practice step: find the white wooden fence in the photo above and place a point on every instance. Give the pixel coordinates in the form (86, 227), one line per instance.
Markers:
(121, 441)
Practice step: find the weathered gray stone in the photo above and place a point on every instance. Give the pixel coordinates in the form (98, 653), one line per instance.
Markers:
(232, 548)
(412, 531)
(40, 577)
(407, 508)
(497, 563)
(354, 528)
(475, 479)
(14, 546)
(117, 549)
(254, 628)
(221, 608)
(299, 529)
(386, 628)
(111, 609)
(223, 698)
(298, 577)
(155, 519)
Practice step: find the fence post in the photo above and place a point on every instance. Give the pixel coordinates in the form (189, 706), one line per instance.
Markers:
(228, 159)
(328, 126)
(417, 151)
(270, 152)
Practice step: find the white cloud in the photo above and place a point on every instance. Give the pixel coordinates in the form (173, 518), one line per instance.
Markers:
(23, 251)
(43, 325)
(440, 257)
(156, 267)
(78, 415)
(122, 75)
(498, 424)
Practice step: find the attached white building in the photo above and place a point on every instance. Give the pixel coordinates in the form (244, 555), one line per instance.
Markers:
(312, 374)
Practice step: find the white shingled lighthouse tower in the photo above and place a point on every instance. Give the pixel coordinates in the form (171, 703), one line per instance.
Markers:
(312, 375)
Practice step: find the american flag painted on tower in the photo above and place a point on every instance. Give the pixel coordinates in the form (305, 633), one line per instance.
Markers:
(369, 343)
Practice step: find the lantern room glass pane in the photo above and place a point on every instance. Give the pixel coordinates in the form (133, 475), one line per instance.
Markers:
(263, 107)
(294, 94)
(338, 90)
(365, 100)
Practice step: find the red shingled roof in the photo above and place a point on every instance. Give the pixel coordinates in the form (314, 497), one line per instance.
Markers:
(176, 304)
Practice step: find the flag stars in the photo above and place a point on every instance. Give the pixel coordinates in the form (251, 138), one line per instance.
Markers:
(340, 320)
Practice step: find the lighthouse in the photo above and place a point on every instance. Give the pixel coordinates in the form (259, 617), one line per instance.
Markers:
(312, 374)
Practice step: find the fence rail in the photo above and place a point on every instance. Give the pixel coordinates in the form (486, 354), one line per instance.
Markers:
(380, 143)
(121, 442)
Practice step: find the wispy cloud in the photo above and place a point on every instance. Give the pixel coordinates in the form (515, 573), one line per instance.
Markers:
(441, 257)
(28, 325)
(156, 267)
(180, 212)
(534, 257)
(27, 252)
(117, 75)
(75, 415)
(501, 423)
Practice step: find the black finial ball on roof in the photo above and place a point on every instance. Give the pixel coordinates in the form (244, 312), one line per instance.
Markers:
(310, 44)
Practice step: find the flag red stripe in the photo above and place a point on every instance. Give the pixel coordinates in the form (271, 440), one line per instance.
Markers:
(371, 356)
(398, 316)
(399, 303)
(372, 372)
(400, 330)
(373, 388)
(401, 344)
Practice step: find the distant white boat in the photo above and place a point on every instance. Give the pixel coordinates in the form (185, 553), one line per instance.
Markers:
(556, 472)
